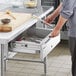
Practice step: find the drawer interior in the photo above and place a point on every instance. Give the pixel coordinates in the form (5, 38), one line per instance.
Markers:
(29, 40)
(35, 34)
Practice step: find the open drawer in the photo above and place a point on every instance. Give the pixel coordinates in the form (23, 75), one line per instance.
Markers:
(35, 40)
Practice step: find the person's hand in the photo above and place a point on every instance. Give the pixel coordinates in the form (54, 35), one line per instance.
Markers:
(54, 33)
(49, 19)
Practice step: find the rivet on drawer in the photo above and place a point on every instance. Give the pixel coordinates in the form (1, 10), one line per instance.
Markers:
(51, 46)
(44, 47)
(26, 45)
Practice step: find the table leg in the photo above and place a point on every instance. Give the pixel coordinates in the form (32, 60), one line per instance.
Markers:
(45, 65)
(2, 60)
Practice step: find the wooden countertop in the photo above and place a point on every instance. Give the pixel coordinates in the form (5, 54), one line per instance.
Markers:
(21, 18)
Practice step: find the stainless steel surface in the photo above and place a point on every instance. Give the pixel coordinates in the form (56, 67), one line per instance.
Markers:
(45, 66)
(17, 10)
(36, 61)
(3, 6)
(2, 60)
(37, 11)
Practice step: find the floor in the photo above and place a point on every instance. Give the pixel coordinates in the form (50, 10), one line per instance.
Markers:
(58, 63)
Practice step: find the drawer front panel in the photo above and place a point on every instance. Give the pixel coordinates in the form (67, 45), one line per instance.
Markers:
(49, 46)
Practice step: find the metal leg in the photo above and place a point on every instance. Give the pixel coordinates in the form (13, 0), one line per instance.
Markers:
(44, 62)
(2, 60)
(45, 66)
(5, 65)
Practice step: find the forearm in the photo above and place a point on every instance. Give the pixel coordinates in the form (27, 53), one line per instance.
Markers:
(58, 27)
(56, 12)
(60, 23)
(52, 16)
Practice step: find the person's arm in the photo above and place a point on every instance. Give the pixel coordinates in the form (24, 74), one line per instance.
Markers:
(65, 14)
(52, 16)
(58, 27)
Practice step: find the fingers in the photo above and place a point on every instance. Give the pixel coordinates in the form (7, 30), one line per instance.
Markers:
(47, 20)
(54, 34)
(51, 36)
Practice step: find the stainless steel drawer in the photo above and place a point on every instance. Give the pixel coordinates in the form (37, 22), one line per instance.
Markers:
(36, 40)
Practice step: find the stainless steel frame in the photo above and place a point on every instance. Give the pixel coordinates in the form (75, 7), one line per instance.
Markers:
(6, 38)
(36, 61)
(2, 60)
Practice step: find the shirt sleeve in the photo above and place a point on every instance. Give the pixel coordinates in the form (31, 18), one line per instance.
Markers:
(67, 8)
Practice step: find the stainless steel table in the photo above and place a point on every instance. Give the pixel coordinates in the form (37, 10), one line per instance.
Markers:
(5, 38)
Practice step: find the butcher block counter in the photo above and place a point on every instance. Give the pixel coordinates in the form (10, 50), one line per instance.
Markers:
(14, 23)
